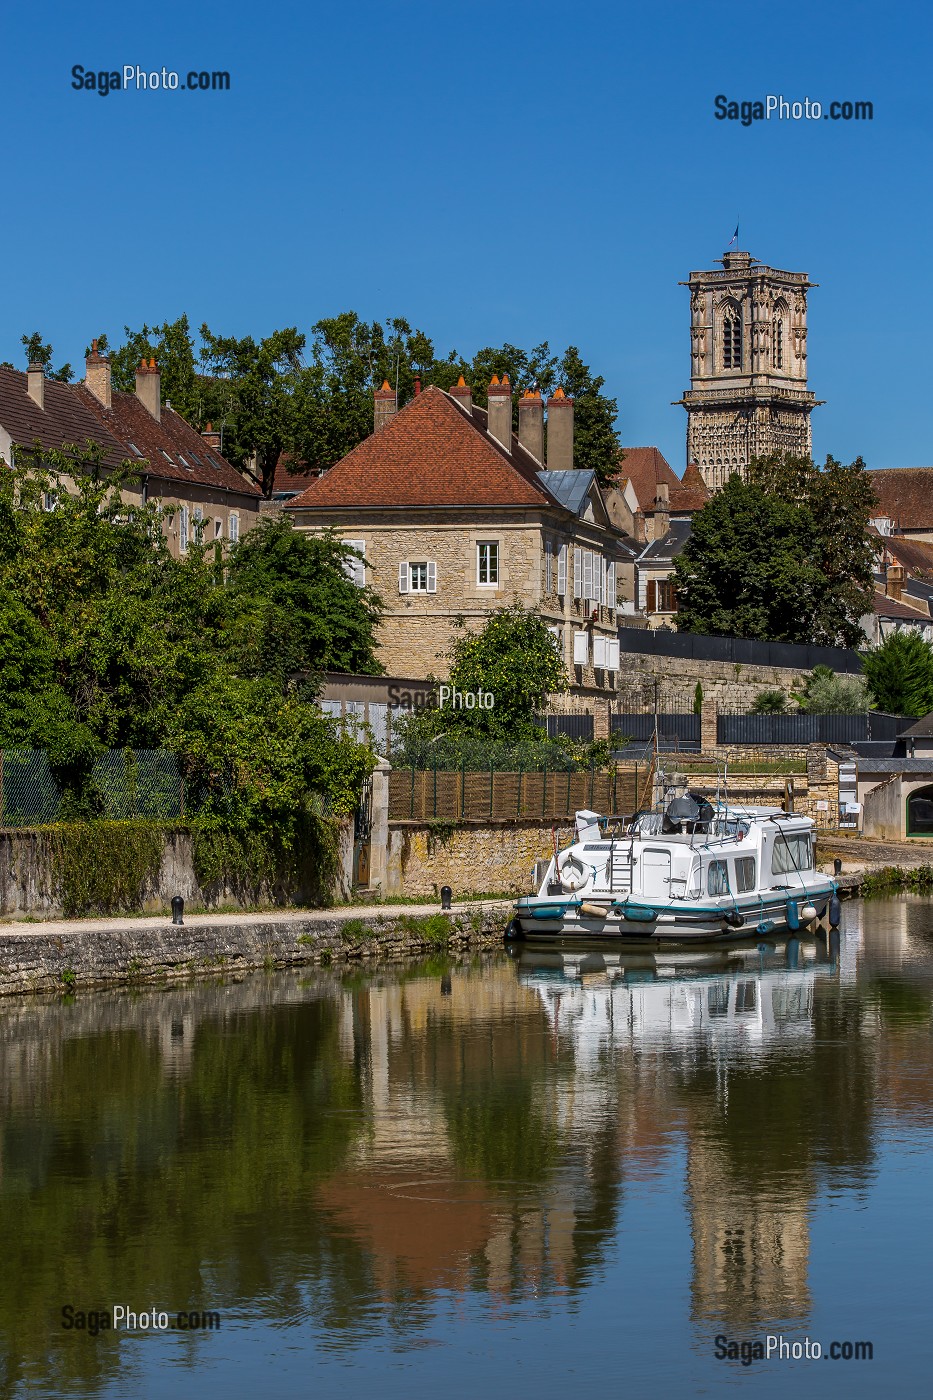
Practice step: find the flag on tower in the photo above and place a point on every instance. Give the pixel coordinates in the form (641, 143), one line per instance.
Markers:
(735, 238)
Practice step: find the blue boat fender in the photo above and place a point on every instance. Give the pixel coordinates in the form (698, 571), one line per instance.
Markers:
(835, 911)
(793, 916)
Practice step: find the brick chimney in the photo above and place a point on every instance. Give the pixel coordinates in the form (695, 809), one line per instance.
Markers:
(386, 406)
(97, 375)
(149, 388)
(211, 439)
(661, 514)
(559, 432)
(463, 394)
(500, 410)
(894, 582)
(531, 423)
(35, 384)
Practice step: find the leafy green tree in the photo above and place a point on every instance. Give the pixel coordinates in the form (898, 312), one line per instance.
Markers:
(297, 610)
(784, 556)
(38, 353)
(744, 571)
(596, 443)
(826, 693)
(838, 502)
(899, 673)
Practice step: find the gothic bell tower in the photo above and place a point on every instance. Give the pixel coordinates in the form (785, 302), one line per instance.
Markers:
(748, 392)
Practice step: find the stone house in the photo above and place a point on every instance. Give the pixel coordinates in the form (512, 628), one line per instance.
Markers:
(177, 467)
(454, 515)
(905, 502)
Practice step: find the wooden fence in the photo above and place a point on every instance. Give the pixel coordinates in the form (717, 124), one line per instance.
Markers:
(436, 794)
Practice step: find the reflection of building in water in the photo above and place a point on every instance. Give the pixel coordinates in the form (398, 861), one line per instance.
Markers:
(717, 1017)
(468, 1171)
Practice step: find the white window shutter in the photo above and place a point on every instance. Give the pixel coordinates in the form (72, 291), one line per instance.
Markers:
(599, 651)
(548, 567)
(183, 529)
(403, 577)
(432, 576)
(588, 574)
(581, 650)
(356, 569)
(562, 570)
(612, 659)
(611, 586)
(577, 572)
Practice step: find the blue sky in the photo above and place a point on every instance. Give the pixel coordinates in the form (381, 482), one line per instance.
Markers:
(514, 172)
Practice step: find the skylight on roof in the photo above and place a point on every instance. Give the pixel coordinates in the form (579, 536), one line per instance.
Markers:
(194, 457)
(165, 455)
(136, 449)
(183, 462)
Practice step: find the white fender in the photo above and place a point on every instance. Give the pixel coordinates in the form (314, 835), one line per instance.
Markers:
(573, 874)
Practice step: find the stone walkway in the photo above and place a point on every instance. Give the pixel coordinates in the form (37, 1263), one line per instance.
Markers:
(860, 854)
(157, 923)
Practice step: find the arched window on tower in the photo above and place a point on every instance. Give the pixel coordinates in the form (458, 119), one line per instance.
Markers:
(777, 335)
(731, 336)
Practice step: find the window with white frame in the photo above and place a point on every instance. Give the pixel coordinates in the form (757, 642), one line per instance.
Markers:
(356, 568)
(555, 631)
(562, 570)
(218, 528)
(548, 567)
(183, 529)
(599, 651)
(198, 514)
(577, 572)
(581, 648)
(234, 527)
(487, 563)
(417, 576)
(610, 586)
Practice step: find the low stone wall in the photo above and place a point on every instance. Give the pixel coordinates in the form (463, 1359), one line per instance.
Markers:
(471, 857)
(28, 886)
(72, 958)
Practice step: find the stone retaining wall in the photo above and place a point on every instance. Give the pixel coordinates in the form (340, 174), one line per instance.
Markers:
(472, 857)
(100, 956)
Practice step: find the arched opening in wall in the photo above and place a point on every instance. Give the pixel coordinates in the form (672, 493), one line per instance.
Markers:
(777, 334)
(731, 334)
(920, 812)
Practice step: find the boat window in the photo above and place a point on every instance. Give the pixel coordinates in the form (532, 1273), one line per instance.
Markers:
(717, 878)
(745, 874)
(791, 852)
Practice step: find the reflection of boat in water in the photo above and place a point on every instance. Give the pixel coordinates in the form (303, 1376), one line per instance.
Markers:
(692, 873)
(598, 996)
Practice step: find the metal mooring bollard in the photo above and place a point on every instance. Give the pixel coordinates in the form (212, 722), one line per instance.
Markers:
(446, 896)
(837, 866)
(178, 909)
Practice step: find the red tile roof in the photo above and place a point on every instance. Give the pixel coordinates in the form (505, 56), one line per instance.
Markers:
(432, 453)
(905, 496)
(173, 449)
(915, 555)
(72, 415)
(893, 607)
(65, 419)
(692, 493)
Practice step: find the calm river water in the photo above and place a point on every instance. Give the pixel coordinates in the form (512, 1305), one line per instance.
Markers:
(523, 1176)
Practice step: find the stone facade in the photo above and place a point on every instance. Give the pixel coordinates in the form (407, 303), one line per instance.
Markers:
(748, 392)
(472, 858)
(418, 628)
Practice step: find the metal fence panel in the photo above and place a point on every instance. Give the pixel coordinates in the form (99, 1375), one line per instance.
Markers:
(682, 727)
(699, 647)
(123, 784)
(579, 727)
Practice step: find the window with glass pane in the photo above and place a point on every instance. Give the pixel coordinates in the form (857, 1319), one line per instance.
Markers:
(418, 578)
(717, 879)
(487, 563)
(791, 852)
(745, 874)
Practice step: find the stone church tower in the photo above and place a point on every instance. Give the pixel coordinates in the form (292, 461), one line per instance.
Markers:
(748, 392)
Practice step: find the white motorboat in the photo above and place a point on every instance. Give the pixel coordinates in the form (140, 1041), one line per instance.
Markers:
(692, 872)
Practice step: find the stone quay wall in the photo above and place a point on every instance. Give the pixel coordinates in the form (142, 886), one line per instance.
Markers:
(471, 857)
(28, 885)
(71, 957)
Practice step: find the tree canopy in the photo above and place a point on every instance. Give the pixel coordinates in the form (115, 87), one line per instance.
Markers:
(307, 400)
(783, 556)
(899, 673)
(108, 641)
